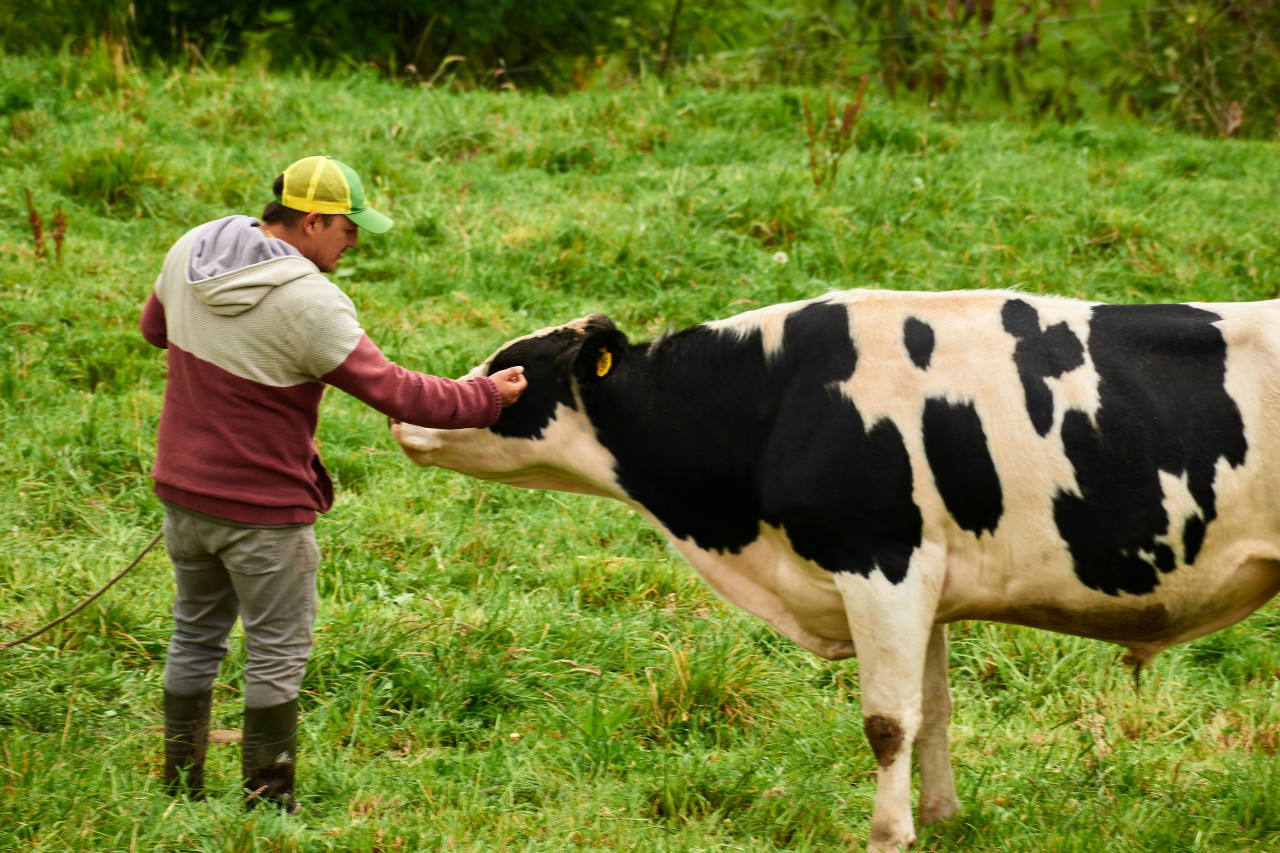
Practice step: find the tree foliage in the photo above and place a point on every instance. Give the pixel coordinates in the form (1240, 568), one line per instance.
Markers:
(1212, 67)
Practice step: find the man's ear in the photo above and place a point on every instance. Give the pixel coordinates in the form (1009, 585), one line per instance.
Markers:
(312, 222)
(603, 350)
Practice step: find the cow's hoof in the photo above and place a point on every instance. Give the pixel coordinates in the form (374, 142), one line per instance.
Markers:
(940, 812)
(884, 844)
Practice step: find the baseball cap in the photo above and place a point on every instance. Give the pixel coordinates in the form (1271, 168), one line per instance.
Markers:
(324, 185)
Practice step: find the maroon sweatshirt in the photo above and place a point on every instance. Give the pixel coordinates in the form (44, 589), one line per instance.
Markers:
(254, 333)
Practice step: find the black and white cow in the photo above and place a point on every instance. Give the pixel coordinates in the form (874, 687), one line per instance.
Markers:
(863, 468)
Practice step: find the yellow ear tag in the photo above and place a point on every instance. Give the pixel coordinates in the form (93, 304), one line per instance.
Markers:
(605, 362)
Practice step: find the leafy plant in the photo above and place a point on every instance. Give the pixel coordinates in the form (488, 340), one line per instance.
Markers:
(1210, 67)
(58, 234)
(830, 135)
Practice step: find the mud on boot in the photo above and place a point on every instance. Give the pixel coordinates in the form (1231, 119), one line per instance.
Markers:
(268, 758)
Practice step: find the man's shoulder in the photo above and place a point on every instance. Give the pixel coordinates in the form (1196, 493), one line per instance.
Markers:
(314, 291)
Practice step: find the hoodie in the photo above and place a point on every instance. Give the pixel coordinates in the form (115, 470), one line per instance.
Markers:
(254, 332)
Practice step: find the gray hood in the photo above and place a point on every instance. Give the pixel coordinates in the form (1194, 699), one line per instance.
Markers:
(233, 264)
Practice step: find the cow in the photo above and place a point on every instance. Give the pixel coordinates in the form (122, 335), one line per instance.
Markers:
(863, 468)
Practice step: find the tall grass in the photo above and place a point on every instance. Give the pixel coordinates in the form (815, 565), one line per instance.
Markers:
(508, 670)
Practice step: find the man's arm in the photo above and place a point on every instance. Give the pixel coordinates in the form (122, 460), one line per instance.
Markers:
(422, 399)
(153, 324)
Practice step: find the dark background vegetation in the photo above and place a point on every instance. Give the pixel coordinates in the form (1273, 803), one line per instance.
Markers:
(1208, 67)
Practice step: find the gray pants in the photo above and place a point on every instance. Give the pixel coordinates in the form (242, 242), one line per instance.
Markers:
(264, 575)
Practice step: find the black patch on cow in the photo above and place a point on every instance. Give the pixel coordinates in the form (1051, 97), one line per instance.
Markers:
(684, 437)
(839, 486)
(1038, 356)
(918, 336)
(1193, 537)
(545, 359)
(955, 444)
(843, 493)
(1164, 407)
(713, 438)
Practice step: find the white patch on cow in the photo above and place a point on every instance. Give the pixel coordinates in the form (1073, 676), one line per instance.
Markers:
(1149, 557)
(1252, 333)
(769, 580)
(1179, 507)
(567, 458)
(768, 322)
(886, 383)
(1076, 389)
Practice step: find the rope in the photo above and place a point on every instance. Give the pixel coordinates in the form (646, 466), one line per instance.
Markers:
(82, 605)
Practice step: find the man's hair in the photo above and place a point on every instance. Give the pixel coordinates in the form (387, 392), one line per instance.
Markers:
(276, 213)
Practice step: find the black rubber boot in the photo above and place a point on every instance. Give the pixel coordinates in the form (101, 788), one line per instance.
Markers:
(267, 758)
(186, 740)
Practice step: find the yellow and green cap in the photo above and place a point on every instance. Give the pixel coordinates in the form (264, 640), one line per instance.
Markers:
(325, 185)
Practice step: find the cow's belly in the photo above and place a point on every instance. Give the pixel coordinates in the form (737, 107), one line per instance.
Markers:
(766, 579)
(808, 591)
(1189, 603)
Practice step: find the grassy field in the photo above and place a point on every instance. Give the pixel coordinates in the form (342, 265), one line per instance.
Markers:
(506, 670)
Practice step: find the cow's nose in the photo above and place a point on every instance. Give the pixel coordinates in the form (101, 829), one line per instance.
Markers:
(419, 442)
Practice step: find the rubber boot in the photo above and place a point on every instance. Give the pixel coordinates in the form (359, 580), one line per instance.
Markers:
(186, 740)
(267, 757)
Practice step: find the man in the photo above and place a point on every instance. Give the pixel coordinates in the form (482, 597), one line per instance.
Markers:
(254, 332)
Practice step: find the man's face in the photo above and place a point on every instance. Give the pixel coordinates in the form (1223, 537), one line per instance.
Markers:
(326, 243)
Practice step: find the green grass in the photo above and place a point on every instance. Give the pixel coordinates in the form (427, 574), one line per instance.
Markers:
(508, 670)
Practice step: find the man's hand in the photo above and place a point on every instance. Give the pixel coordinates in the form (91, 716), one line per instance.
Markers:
(511, 383)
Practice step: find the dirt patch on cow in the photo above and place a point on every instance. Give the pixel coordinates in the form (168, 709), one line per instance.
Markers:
(1115, 624)
(885, 736)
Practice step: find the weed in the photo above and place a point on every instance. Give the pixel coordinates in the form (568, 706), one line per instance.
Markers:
(707, 691)
(830, 135)
(58, 234)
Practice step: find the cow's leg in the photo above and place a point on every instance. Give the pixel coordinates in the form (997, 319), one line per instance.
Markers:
(891, 626)
(938, 800)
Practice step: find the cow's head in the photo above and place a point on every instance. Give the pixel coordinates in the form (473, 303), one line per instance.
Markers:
(545, 440)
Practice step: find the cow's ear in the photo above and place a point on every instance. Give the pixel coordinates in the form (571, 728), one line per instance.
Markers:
(602, 350)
